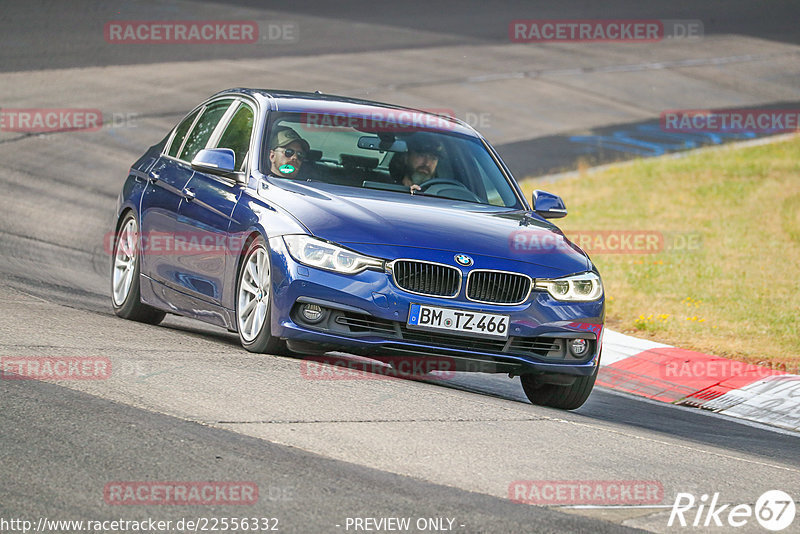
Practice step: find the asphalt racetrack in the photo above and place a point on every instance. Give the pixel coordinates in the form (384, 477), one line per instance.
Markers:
(186, 403)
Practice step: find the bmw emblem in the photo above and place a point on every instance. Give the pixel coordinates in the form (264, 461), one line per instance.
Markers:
(463, 259)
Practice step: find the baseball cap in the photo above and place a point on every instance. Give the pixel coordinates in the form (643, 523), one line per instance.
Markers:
(287, 136)
(425, 143)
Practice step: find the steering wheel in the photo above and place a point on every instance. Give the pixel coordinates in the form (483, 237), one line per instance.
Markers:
(448, 188)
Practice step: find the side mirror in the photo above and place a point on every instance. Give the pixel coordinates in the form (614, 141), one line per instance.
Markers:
(221, 161)
(548, 205)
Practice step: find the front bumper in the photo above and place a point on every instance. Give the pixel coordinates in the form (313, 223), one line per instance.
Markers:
(367, 314)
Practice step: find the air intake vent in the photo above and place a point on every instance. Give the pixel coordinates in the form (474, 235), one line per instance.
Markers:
(426, 278)
(497, 287)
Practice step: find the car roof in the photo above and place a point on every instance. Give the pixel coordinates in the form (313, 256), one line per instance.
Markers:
(302, 102)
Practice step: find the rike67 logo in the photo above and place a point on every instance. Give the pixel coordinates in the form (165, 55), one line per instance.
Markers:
(774, 510)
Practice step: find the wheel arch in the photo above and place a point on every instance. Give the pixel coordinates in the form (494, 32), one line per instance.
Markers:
(252, 235)
(122, 213)
(110, 242)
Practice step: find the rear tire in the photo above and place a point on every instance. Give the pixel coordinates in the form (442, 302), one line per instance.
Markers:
(125, 295)
(556, 396)
(254, 301)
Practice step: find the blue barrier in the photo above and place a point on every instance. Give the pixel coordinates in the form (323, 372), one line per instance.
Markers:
(650, 140)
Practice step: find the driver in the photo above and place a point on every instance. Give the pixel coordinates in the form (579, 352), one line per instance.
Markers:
(424, 152)
(287, 152)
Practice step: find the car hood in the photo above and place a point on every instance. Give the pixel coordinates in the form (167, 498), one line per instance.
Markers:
(354, 216)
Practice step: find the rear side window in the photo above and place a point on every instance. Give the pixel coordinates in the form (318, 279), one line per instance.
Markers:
(180, 134)
(198, 138)
(237, 134)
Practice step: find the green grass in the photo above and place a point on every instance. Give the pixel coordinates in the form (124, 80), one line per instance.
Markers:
(738, 293)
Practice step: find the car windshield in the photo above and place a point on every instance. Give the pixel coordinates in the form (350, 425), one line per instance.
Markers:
(388, 155)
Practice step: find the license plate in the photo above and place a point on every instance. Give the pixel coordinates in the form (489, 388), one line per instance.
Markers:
(466, 322)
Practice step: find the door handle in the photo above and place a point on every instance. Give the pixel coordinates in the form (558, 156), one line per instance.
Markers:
(154, 176)
(189, 195)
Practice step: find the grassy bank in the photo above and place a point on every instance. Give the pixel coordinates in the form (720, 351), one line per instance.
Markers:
(725, 276)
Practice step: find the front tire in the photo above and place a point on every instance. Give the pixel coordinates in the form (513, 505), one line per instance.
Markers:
(254, 301)
(125, 295)
(563, 397)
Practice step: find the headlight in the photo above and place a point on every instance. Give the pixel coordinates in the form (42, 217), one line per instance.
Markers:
(323, 255)
(580, 287)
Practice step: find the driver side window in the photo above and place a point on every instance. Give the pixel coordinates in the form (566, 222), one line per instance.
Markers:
(180, 134)
(238, 133)
(202, 131)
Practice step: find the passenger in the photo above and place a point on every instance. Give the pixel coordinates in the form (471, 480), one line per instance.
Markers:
(287, 152)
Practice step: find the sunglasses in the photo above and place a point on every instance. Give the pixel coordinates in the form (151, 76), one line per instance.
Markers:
(289, 152)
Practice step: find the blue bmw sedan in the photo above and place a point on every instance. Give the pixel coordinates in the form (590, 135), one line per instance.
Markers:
(311, 223)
